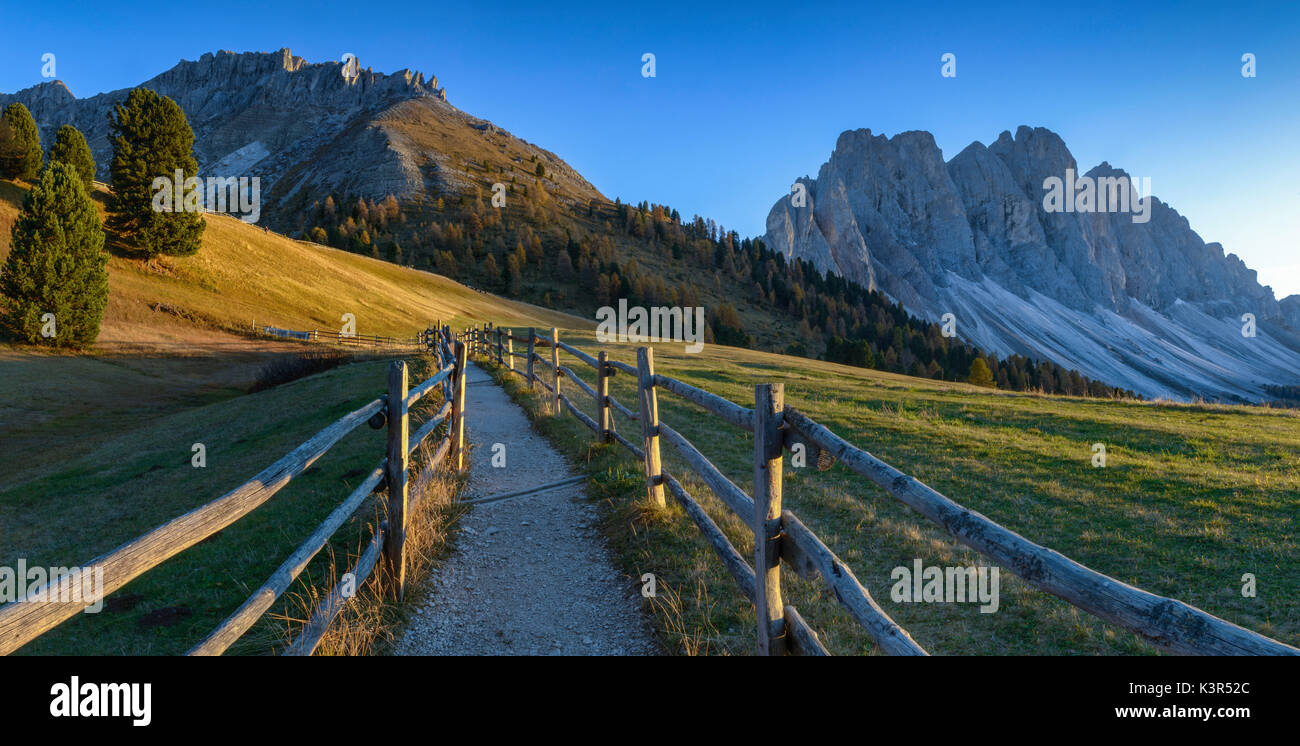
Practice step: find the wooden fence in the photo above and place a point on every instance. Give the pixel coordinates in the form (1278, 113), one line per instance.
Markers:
(781, 537)
(24, 620)
(347, 340)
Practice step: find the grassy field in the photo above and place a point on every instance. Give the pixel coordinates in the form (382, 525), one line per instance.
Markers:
(95, 447)
(142, 478)
(1191, 498)
(244, 274)
(174, 333)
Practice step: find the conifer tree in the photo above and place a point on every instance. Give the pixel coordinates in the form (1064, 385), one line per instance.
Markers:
(152, 141)
(54, 282)
(980, 375)
(70, 147)
(23, 156)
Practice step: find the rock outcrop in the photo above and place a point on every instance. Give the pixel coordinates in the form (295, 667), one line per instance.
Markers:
(1140, 303)
(308, 127)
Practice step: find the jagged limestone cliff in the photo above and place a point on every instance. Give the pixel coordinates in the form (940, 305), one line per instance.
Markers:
(1141, 303)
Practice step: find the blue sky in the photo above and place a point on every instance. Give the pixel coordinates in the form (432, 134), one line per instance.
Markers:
(747, 98)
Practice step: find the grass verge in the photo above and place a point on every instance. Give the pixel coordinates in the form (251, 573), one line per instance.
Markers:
(1192, 498)
(144, 477)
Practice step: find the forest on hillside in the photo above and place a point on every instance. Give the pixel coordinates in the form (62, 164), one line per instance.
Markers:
(580, 258)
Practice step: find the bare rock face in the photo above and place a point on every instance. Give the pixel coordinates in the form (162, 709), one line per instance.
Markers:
(1142, 304)
(306, 128)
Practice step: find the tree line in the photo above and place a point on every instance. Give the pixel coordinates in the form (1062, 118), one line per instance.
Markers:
(542, 251)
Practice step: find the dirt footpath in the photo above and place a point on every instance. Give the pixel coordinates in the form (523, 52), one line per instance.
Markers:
(530, 575)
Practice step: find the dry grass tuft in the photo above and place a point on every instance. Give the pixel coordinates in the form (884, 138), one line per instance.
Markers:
(368, 624)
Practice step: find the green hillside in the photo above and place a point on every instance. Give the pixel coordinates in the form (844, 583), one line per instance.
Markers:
(176, 332)
(1191, 498)
(95, 447)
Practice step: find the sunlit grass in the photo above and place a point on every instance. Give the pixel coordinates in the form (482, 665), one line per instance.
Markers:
(1192, 497)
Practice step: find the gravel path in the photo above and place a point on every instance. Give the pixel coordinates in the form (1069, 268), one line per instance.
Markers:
(530, 575)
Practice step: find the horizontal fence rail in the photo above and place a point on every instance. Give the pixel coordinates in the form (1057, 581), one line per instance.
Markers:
(1169, 624)
(343, 338)
(23, 620)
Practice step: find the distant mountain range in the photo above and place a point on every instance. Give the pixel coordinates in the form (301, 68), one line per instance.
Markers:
(1137, 301)
(314, 128)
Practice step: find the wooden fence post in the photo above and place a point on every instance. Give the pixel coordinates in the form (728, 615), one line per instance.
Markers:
(555, 367)
(457, 430)
(645, 369)
(510, 349)
(602, 398)
(500, 348)
(398, 442)
(532, 344)
(769, 403)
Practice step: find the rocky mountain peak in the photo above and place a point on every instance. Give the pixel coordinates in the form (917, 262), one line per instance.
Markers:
(1096, 290)
(307, 129)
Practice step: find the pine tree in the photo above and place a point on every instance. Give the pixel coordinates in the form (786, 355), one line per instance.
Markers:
(24, 157)
(70, 147)
(10, 149)
(56, 264)
(152, 140)
(980, 375)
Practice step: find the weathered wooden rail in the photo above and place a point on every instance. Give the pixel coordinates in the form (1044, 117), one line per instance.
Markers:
(346, 340)
(24, 620)
(781, 537)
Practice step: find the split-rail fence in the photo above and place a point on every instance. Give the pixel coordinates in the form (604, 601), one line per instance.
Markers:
(781, 537)
(24, 620)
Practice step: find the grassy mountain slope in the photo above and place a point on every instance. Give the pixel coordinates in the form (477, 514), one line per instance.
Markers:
(175, 331)
(541, 246)
(1191, 498)
(95, 448)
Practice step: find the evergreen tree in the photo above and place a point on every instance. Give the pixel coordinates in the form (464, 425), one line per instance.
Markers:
(23, 159)
(10, 149)
(56, 264)
(152, 140)
(980, 375)
(70, 147)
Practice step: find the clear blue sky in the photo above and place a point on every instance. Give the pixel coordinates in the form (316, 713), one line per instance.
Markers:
(747, 99)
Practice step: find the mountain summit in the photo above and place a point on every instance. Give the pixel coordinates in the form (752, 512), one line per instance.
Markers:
(1139, 301)
(313, 128)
